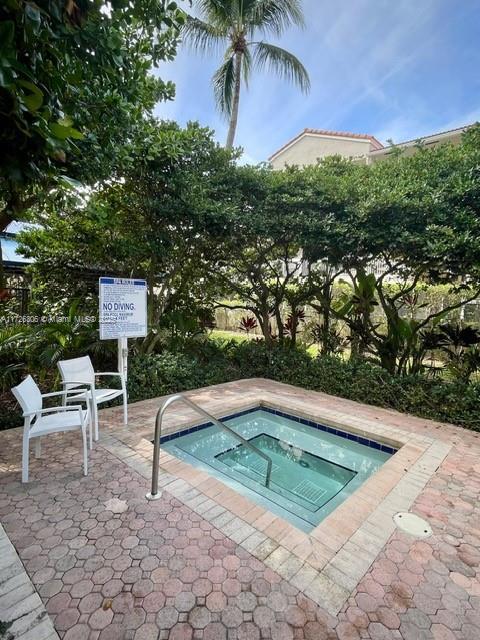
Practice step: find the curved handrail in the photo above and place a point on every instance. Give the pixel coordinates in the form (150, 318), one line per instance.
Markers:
(153, 495)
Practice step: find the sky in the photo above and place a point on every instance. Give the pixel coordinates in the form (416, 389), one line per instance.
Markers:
(396, 69)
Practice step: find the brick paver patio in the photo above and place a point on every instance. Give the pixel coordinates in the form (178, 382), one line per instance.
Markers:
(109, 565)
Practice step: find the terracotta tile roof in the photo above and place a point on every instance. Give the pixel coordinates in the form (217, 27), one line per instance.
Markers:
(324, 132)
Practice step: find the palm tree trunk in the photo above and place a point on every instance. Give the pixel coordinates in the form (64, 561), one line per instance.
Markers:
(236, 100)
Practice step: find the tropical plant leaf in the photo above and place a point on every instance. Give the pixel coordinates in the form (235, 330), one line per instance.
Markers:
(224, 85)
(276, 15)
(283, 63)
(63, 133)
(33, 100)
(204, 37)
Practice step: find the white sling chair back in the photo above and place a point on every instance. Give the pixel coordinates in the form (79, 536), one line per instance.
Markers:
(40, 422)
(79, 372)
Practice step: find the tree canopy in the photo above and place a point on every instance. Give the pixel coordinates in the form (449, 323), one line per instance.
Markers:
(206, 232)
(154, 221)
(75, 83)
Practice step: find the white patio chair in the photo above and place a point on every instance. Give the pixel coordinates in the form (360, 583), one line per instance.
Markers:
(79, 372)
(40, 422)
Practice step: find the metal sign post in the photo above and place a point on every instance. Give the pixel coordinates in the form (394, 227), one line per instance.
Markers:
(123, 313)
(122, 344)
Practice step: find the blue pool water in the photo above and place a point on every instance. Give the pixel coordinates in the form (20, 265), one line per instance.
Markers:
(314, 468)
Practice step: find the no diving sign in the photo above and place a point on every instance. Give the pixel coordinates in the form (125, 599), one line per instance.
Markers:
(123, 308)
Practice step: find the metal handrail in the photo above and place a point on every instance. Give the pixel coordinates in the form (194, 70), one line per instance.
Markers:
(154, 494)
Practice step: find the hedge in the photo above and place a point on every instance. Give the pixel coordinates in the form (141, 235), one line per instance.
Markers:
(433, 398)
(200, 364)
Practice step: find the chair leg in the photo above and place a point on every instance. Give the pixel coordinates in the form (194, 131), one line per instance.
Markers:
(85, 451)
(95, 419)
(38, 447)
(25, 453)
(90, 424)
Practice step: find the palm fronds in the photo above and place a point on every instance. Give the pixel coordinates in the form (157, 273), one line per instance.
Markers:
(204, 37)
(276, 15)
(235, 22)
(283, 63)
(224, 85)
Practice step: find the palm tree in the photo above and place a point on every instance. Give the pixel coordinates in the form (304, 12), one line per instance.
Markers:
(234, 23)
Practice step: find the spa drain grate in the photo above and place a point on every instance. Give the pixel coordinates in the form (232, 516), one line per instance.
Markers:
(309, 491)
(412, 524)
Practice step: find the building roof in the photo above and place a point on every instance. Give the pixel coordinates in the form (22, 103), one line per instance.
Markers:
(11, 254)
(324, 132)
(430, 138)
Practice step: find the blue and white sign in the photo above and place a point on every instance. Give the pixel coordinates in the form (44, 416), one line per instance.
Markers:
(123, 308)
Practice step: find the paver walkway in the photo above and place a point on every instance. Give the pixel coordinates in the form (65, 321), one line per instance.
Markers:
(109, 565)
(429, 589)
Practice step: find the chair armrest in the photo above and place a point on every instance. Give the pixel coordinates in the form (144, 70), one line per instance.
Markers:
(109, 373)
(113, 373)
(69, 407)
(62, 393)
(79, 383)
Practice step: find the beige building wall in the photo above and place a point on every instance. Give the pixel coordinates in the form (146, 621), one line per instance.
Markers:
(310, 148)
(312, 145)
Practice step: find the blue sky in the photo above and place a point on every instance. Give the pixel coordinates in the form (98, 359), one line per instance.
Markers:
(395, 69)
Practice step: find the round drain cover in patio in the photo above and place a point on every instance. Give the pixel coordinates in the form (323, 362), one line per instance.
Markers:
(412, 524)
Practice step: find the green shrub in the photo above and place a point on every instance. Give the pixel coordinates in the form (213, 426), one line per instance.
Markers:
(206, 362)
(433, 398)
(159, 374)
(257, 360)
(213, 362)
(10, 412)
